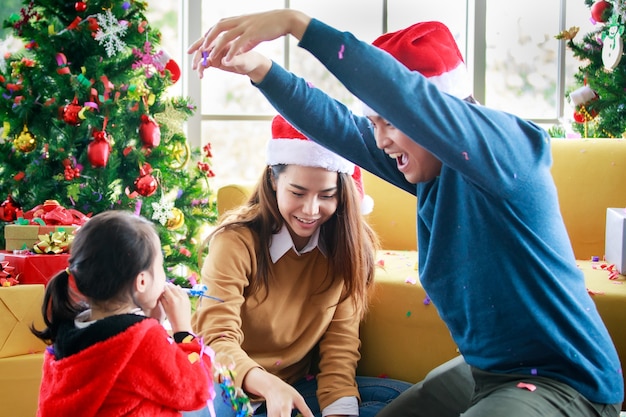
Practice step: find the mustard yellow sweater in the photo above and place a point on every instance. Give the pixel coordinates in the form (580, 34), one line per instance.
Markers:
(278, 333)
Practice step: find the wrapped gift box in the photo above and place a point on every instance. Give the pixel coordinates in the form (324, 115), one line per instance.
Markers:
(20, 377)
(25, 236)
(32, 268)
(615, 243)
(20, 307)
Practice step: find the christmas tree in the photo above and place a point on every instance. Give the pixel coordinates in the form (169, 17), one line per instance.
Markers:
(599, 100)
(86, 122)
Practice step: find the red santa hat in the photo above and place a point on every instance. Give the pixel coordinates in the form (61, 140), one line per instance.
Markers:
(430, 49)
(290, 147)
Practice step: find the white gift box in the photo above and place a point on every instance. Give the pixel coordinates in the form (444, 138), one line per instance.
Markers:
(615, 242)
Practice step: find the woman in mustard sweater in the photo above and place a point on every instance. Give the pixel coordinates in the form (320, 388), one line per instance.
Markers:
(291, 269)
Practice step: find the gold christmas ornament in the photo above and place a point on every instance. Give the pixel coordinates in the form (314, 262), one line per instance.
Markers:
(176, 221)
(25, 141)
(181, 153)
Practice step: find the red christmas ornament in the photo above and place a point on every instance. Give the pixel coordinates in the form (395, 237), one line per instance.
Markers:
(579, 117)
(149, 131)
(174, 70)
(170, 65)
(146, 184)
(8, 210)
(99, 149)
(583, 115)
(93, 24)
(80, 6)
(70, 112)
(70, 171)
(601, 11)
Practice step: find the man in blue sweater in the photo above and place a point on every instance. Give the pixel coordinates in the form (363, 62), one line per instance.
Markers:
(494, 255)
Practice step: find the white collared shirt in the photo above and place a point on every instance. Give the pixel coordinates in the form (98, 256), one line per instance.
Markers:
(281, 244)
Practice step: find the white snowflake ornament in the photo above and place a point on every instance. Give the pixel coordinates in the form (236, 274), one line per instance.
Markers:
(162, 210)
(110, 32)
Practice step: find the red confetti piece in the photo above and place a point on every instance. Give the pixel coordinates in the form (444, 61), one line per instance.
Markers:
(592, 292)
(381, 262)
(525, 385)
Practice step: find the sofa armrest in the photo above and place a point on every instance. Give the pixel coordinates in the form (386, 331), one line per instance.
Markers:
(232, 195)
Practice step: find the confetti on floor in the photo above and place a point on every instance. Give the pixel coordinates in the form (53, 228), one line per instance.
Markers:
(525, 385)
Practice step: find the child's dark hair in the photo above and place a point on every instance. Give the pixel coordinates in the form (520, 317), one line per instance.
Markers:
(107, 254)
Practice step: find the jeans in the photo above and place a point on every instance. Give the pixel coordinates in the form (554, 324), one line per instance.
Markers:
(375, 394)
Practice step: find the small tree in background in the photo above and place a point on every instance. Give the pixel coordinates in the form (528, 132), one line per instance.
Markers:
(86, 122)
(599, 100)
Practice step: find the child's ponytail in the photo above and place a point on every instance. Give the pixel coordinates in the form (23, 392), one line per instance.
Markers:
(58, 306)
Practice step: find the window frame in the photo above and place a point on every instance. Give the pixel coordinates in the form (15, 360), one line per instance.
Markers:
(475, 55)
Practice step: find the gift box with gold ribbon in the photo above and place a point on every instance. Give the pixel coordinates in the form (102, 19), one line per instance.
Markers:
(20, 307)
(25, 237)
(31, 268)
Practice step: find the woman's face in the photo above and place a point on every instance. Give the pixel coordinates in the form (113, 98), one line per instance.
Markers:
(307, 197)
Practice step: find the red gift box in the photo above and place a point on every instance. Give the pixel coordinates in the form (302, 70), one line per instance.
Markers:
(35, 269)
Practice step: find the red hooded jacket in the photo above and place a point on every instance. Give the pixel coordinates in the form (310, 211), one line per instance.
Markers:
(139, 371)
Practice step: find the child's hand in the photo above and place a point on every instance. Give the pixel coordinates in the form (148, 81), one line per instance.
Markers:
(177, 306)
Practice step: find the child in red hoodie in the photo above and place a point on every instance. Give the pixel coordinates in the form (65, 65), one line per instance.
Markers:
(110, 354)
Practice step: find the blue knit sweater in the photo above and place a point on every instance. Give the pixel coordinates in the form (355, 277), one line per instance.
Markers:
(494, 254)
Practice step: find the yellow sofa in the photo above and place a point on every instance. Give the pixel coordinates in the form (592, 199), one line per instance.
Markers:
(403, 336)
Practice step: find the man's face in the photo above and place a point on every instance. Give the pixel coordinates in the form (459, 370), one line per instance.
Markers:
(416, 163)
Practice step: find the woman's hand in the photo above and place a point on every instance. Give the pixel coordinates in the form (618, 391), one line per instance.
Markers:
(280, 397)
(177, 307)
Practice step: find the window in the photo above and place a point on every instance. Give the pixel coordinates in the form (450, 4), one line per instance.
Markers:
(510, 49)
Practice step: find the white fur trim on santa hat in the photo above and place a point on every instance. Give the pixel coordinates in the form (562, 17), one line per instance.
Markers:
(306, 153)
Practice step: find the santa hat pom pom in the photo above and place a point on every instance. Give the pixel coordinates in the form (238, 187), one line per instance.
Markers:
(367, 204)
